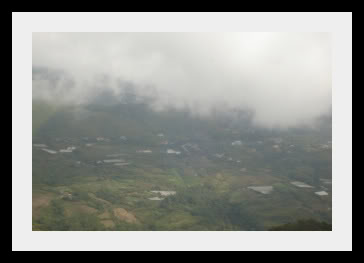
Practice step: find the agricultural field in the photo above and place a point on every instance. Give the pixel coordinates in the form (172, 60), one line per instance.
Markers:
(123, 167)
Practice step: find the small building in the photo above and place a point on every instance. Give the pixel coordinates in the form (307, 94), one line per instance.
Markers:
(321, 193)
(66, 196)
(262, 189)
(236, 143)
(164, 193)
(68, 149)
(324, 146)
(219, 155)
(144, 151)
(301, 184)
(102, 139)
(171, 151)
(40, 145)
(121, 164)
(49, 151)
(65, 151)
(155, 198)
(114, 161)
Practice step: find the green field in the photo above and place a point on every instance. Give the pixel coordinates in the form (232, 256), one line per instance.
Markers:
(75, 191)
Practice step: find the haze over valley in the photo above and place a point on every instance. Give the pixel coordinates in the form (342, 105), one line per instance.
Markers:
(181, 131)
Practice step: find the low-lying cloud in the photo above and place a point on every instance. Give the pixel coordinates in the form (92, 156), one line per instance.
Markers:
(284, 78)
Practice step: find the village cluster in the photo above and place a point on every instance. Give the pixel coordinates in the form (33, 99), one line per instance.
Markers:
(187, 148)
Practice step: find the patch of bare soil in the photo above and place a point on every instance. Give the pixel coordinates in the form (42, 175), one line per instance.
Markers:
(108, 223)
(124, 215)
(40, 200)
(105, 215)
(72, 208)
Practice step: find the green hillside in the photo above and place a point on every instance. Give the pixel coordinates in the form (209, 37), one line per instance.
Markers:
(208, 180)
(41, 113)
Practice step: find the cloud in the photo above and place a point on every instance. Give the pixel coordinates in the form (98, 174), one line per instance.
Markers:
(285, 78)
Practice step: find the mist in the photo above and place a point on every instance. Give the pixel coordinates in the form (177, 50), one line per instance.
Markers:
(284, 78)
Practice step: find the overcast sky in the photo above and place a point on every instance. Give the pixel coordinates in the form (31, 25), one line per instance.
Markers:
(284, 77)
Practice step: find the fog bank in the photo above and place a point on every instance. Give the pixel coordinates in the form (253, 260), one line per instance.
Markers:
(284, 78)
